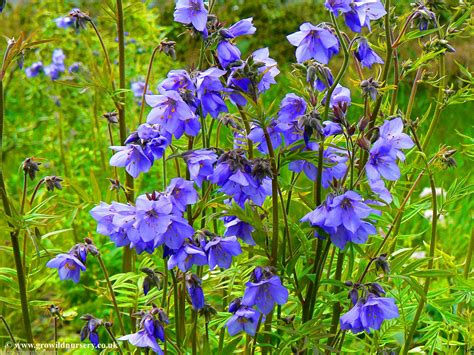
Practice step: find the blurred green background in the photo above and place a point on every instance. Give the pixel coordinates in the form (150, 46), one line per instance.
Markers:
(61, 124)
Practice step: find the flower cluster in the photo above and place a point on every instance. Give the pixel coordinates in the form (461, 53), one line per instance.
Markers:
(370, 308)
(53, 70)
(263, 291)
(142, 148)
(343, 218)
(155, 220)
(151, 329)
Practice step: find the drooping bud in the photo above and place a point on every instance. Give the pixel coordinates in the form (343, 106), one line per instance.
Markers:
(53, 182)
(111, 117)
(168, 48)
(30, 167)
(370, 88)
(382, 263)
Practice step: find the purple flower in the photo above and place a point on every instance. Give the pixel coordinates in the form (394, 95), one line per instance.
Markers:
(182, 193)
(369, 314)
(177, 80)
(90, 329)
(338, 6)
(382, 162)
(314, 42)
(227, 53)
(378, 188)
(347, 210)
(257, 136)
(366, 55)
(74, 67)
(341, 236)
(392, 132)
(69, 266)
(58, 59)
(209, 88)
(34, 69)
(191, 12)
(52, 71)
(336, 159)
(137, 88)
(150, 330)
(64, 22)
(236, 228)
(193, 285)
(240, 28)
(331, 128)
(172, 113)
(340, 96)
(188, 255)
(291, 107)
(221, 250)
(264, 290)
(363, 11)
(132, 157)
(244, 319)
(200, 164)
(267, 68)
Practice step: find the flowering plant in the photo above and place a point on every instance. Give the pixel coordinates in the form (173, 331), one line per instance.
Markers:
(276, 227)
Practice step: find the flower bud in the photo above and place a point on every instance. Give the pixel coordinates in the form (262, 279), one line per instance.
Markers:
(30, 167)
(382, 263)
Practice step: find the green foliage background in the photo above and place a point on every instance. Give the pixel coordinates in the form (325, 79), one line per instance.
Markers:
(61, 124)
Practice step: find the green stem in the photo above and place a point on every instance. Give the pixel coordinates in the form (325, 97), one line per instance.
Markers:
(55, 325)
(112, 293)
(127, 263)
(7, 327)
(467, 264)
(179, 336)
(13, 235)
(150, 66)
(336, 311)
(109, 331)
(426, 287)
(247, 130)
(439, 103)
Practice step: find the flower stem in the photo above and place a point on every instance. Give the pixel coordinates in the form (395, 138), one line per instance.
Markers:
(112, 294)
(55, 325)
(247, 130)
(150, 66)
(336, 310)
(109, 331)
(14, 235)
(7, 327)
(127, 263)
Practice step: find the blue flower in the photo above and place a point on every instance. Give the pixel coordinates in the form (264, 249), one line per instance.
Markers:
(264, 290)
(227, 52)
(69, 266)
(314, 42)
(363, 11)
(347, 210)
(340, 96)
(193, 285)
(34, 69)
(291, 107)
(236, 228)
(177, 80)
(58, 59)
(257, 136)
(391, 132)
(191, 12)
(221, 250)
(64, 22)
(200, 164)
(132, 157)
(150, 330)
(90, 329)
(188, 255)
(209, 89)
(267, 68)
(182, 193)
(382, 162)
(366, 55)
(137, 88)
(369, 314)
(338, 6)
(172, 113)
(245, 319)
